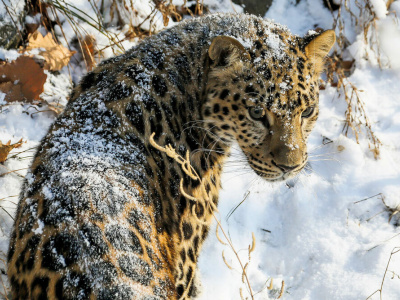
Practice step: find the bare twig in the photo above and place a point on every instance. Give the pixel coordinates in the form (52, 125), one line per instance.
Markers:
(379, 194)
(338, 70)
(5, 291)
(380, 290)
(1, 175)
(12, 19)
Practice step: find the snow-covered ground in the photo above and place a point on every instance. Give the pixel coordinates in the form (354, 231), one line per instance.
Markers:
(325, 234)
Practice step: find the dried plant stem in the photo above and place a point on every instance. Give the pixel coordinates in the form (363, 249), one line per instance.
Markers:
(8, 197)
(4, 286)
(393, 211)
(365, 199)
(271, 284)
(282, 289)
(243, 268)
(191, 172)
(356, 116)
(365, 20)
(253, 244)
(226, 263)
(219, 239)
(394, 251)
(4, 174)
(12, 218)
(12, 19)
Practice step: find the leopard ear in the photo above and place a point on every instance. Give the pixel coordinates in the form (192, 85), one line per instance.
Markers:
(223, 48)
(319, 47)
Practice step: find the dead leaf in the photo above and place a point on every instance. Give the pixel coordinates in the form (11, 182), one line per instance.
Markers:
(56, 56)
(22, 79)
(340, 148)
(88, 46)
(347, 65)
(31, 27)
(6, 148)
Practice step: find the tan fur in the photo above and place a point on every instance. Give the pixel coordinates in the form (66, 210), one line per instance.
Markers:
(319, 47)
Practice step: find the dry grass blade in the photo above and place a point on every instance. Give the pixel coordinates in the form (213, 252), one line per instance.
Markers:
(18, 153)
(218, 237)
(244, 272)
(13, 171)
(226, 263)
(241, 294)
(236, 207)
(271, 284)
(8, 197)
(282, 289)
(253, 243)
(12, 218)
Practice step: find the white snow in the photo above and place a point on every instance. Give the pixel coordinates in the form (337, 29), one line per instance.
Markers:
(326, 233)
(2, 97)
(39, 229)
(8, 55)
(379, 8)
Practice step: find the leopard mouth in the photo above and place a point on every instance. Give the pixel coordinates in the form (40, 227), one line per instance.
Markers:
(275, 175)
(266, 174)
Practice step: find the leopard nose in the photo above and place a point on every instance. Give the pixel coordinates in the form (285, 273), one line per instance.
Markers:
(287, 168)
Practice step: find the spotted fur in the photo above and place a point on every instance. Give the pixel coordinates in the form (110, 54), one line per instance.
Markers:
(101, 214)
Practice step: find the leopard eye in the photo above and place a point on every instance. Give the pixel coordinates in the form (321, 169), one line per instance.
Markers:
(308, 112)
(256, 112)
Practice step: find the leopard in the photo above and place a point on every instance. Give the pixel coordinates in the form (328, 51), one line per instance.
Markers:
(103, 213)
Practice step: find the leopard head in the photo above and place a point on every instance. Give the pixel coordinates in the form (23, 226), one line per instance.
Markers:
(266, 100)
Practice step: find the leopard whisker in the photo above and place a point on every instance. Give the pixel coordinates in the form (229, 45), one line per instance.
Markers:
(322, 154)
(325, 159)
(309, 168)
(318, 147)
